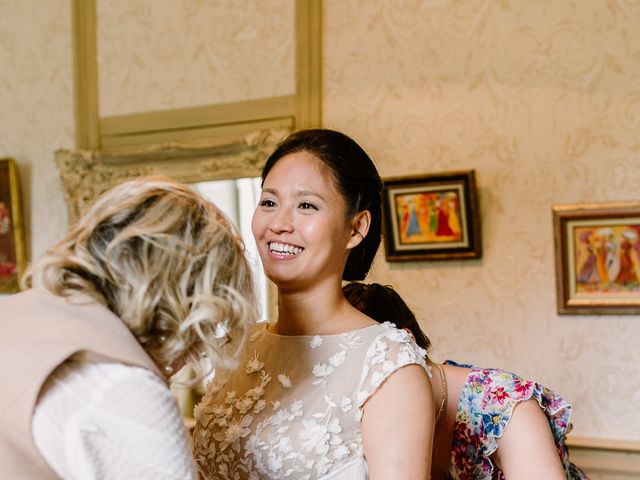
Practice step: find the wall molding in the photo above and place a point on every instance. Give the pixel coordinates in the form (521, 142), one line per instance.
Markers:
(228, 121)
(604, 459)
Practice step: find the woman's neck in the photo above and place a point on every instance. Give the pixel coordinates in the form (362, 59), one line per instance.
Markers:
(319, 311)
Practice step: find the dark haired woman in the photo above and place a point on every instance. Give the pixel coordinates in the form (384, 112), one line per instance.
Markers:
(325, 392)
(490, 424)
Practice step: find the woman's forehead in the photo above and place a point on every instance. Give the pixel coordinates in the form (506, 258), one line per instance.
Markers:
(302, 167)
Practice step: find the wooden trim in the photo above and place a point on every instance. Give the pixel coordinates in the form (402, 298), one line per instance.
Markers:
(210, 115)
(209, 135)
(85, 74)
(144, 129)
(606, 459)
(308, 62)
(603, 444)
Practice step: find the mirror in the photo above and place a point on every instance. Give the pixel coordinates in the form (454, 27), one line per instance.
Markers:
(238, 198)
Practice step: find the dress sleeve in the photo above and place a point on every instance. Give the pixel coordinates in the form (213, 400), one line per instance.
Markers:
(487, 402)
(389, 351)
(128, 426)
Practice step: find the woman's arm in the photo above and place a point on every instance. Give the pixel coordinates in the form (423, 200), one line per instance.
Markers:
(111, 421)
(397, 426)
(526, 449)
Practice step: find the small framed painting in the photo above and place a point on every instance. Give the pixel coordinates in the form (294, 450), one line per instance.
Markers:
(12, 247)
(597, 253)
(432, 217)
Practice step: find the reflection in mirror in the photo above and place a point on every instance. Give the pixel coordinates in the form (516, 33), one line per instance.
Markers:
(238, 199)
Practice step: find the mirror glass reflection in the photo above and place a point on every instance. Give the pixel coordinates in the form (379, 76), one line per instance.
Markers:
(238, 198)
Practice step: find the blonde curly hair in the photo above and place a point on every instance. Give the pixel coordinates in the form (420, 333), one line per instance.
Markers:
(164, 260)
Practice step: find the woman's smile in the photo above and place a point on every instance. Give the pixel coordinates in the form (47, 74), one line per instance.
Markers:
(284, 249)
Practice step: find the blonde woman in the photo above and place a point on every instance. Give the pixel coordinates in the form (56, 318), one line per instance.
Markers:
(151, 277)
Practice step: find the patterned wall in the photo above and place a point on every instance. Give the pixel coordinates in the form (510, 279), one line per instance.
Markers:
(543, 100)
(163, 54)
(36, 108)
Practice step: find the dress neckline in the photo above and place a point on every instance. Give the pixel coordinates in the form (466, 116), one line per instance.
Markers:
(265, 329)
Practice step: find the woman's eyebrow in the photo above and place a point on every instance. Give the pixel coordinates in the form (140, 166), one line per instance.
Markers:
(305, 193)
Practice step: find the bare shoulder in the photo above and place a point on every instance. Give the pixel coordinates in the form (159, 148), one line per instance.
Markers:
(397, 425)
(526, 448)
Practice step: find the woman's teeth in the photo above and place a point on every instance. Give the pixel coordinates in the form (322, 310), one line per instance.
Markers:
(283, 248)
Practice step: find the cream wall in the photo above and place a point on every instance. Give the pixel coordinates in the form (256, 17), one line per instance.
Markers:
(146, 62)
(36, 108)
(542, 99)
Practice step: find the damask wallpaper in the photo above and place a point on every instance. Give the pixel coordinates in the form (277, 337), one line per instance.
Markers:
(164, 54)
(543, 100)
(36, 108)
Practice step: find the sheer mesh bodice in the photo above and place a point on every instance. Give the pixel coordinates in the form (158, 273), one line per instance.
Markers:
(293, 407)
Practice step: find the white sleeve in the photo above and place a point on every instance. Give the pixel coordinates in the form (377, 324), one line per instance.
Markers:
(111, 421)
(389, 351)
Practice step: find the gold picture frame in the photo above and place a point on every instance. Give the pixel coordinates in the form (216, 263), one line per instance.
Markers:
(12, 246)
(432, 217)
(597, 256)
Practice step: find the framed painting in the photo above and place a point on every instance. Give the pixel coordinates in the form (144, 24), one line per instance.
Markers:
(432, 217)
(12, 247)
(597, 252)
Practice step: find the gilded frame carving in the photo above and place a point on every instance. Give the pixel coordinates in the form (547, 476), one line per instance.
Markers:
(86, 174)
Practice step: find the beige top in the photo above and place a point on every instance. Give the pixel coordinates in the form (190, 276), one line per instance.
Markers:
(293, 408)
(39, 331)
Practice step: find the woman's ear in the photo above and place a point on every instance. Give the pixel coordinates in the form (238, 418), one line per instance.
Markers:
(359, 228)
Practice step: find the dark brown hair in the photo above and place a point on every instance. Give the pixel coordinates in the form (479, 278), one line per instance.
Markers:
(384, 304)
(357, 181)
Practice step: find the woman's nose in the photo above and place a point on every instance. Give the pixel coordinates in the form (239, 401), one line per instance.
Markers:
(281, 222)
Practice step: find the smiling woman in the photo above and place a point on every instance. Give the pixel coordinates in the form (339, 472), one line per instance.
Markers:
(299, 240)
(313, 397)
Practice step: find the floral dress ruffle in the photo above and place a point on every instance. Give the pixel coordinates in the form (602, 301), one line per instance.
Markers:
(485, 408)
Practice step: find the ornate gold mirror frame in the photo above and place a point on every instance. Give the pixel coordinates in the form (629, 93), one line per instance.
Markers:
(88, 173)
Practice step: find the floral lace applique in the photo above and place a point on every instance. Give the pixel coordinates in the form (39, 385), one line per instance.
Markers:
(349, 341)
(251, 434)
(389, 351)
(232, 428)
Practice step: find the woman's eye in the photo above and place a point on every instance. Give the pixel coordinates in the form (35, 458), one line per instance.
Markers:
(307, 206)
(267, 203)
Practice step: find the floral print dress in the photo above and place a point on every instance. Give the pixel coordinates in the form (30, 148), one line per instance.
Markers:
(293, 407)
(485, 408)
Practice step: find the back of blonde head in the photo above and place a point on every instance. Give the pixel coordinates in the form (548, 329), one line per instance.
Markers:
(164, 260)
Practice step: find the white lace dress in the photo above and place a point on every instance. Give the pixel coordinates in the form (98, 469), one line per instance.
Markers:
(293, 407)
